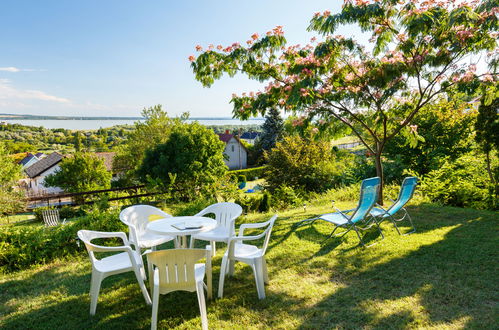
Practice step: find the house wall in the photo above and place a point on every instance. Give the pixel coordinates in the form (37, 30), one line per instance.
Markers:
(36, 185)
(31, 162)
(237, 155)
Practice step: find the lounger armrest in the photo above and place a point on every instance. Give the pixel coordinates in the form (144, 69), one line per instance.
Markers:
(343, 213)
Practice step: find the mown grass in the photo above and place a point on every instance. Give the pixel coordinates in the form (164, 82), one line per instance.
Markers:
(443, 276)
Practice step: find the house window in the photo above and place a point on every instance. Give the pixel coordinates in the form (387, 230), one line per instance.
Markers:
(233, 149)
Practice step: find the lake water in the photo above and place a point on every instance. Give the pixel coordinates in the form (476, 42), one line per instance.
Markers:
(96, 124)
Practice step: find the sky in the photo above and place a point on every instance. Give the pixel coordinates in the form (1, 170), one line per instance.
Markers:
(113, 58)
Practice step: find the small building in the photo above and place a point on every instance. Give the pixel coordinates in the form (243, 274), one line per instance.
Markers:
(36, 173)
(250, 137)
(236, 153)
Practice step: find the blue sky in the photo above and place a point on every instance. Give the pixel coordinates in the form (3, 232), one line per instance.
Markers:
(112, 58)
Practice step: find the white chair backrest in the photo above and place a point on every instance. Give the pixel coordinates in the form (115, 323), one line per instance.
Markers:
(268, 231)
(176, 268)
(225, 213)
(138, 216)
(51, 217)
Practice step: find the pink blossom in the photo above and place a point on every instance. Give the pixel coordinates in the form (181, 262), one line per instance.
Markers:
(278, 30)
(234, 95)
(199, 48)
(249, 42)
(317, 14)
(252, 94)
(254, 36)
(413, 128)
(402, 37)
(326, 13)
(288, 88)
(210, 47)
(315, 130)
(472, 67)
(304, 92)
(427, 39)
(488, 78)
(192, 58)
(219, 47)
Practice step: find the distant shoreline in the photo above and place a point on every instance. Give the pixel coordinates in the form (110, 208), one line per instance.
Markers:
(5, 116)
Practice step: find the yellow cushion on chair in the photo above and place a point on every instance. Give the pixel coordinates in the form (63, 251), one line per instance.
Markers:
(154, 217)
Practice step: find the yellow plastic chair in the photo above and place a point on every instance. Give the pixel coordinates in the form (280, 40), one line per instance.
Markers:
(127, 260)
(177, 270)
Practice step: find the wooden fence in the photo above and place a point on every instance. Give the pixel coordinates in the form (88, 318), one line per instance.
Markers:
(82, 197)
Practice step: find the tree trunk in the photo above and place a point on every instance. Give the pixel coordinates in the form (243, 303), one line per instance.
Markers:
(379, 173)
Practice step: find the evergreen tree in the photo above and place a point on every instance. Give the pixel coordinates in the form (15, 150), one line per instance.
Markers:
(77, 141)
(273, 128)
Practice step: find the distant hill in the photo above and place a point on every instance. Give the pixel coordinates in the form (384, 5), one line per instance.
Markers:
(8, 116)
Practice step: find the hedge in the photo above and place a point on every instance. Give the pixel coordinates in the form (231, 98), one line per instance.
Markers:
(23, 246)
(251, 173)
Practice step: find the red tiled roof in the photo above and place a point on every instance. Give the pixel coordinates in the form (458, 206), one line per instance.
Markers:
(108, 159)
(225, 137)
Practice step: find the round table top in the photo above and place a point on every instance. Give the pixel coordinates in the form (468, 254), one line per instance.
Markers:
(170, 226)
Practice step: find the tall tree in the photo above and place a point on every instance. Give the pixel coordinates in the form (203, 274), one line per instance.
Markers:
(487, 131)
(272, 129)
(190, 161)
(154, 130)
(420, 49)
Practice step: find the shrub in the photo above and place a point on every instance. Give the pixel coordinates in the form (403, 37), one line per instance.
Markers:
(249, 202)
(251, 173)
(285, 197)
(265, 203)
(23, 246)
(461, 183)
(303, 164)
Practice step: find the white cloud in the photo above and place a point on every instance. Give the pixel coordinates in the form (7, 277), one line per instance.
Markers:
(14, 69)
(8, 92)
(10, 69)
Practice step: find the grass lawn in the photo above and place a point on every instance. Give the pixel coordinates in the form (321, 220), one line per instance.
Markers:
(443, 276)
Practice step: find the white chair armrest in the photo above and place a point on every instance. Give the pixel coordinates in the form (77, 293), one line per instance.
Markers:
(251, 225)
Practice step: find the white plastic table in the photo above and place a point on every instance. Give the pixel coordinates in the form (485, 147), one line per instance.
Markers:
(165, 227)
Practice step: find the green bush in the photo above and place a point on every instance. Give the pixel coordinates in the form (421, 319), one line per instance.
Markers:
(251, 173)
(23, 246)
(265, 203)
(463, 183)
(249, 202)
(284, 197)
(305, 164)
(241, 178)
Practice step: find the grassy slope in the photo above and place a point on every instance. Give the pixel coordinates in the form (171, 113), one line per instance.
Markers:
(443, 276)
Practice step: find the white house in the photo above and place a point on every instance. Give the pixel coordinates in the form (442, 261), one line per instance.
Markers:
(36, 173)
(237, 155)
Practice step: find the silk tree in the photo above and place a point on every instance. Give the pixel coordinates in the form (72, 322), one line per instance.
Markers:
(418, 51)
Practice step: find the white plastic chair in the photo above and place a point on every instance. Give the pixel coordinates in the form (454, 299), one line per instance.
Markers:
(225, 215)
(177, 270)
(127, 260)
(249, 254)
(136, 218)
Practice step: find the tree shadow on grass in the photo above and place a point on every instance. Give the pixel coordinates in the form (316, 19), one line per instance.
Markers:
(450, 280)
